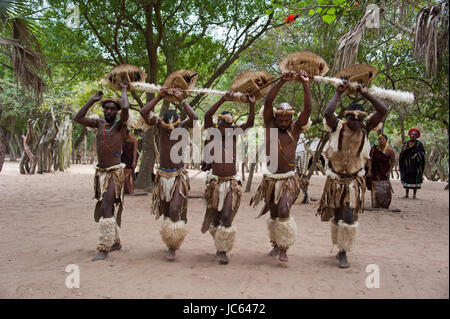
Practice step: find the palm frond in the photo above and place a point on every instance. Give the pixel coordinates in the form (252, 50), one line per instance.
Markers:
(22, 46)
(348, 46)
(25, 64)
(431, 35)
(11, 8)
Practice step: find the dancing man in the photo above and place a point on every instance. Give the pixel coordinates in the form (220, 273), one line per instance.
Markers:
(223, 186)
(170, 195)
(281, 186)
(412, 163)
(109, 174)
(347, 152)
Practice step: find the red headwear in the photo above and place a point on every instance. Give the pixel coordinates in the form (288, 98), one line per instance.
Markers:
(414, 130)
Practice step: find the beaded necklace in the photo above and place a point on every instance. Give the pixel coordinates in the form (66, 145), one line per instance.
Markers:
(170, 170)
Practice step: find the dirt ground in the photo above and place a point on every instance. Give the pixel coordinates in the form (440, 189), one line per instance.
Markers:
(46, 223)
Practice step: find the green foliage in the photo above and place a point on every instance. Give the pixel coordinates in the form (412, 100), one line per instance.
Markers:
(202, 35)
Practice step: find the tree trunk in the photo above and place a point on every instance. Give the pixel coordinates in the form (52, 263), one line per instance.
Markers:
(29, 161)
(428, 172)
(250, 178)
(12, 151)
(80, 138)
(144, 179)
(64, 139)
(2, 148)
(317, 153)
(19, 145)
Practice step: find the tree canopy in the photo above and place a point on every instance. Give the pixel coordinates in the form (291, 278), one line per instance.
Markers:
(80, 41)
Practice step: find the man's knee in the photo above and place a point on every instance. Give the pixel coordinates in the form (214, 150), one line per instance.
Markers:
(226, 218)
(283, 211)
(174, 211)
(107, 208)
(348, 216)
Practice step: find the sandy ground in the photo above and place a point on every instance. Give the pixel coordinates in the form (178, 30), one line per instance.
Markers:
(46, 223)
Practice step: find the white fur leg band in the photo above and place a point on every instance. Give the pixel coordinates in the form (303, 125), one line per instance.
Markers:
(346, 236)
(285, 233)
(172, 233)
(271, 228)
(106, 233)
(334, 232)
(224, 238)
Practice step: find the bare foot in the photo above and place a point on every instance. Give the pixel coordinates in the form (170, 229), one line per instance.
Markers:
(116, 246)
(170, 256)
(342, 259)
(283, 256)
(101, 255)
(275, 251)
(223, 259)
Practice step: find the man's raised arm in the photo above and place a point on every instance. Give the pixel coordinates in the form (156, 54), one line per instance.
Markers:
(213, 109)
(251, 116)
(145, 111)
(380, 107)
(192, 116)
(331, 106)
(303, 118)
(268, 104)
(81, 118)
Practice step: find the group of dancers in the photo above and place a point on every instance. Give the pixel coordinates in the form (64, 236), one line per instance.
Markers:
(343, 194)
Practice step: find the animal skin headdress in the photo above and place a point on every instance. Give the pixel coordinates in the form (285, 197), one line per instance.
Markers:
(283, 109)
(111, 99)
(356, 113)
(227, 118)
(172, 123)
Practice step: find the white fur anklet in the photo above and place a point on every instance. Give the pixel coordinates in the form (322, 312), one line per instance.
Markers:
(106, 233)
(346, 236)
(285, 233)
(224, 238)
(172, 233)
